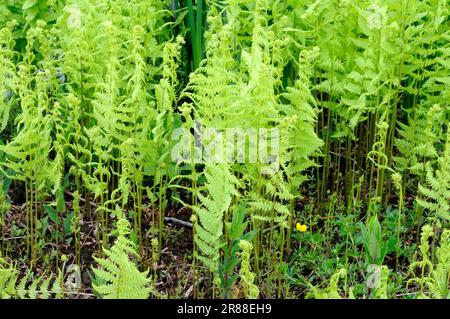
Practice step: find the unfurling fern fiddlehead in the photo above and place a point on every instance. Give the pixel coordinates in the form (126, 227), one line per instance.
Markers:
(434, 276)
(251, 291)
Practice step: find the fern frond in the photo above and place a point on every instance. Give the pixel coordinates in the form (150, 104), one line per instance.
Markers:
(436, 195)
(121, 277)
(220, 188)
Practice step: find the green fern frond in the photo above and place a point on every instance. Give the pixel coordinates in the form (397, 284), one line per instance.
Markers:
(220, 188)
(117, 276)
(29, 286)
(435, 197)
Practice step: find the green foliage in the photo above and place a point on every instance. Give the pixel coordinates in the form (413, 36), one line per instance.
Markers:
(374, 243)
(117, 276)
(251, 291)
(235, 232)
(380, 291)
(332, 291)
(338, 111)
(417, 141)
(7, 73)
(209, 226)
(433, 278)
(436, 197)
(29, 286)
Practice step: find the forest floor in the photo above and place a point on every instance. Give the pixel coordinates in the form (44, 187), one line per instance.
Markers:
(172, 268)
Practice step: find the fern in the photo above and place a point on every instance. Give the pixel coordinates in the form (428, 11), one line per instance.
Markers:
(436, 197)
(417, 148)
(7, 74)
(380, 291)
(434, 277)
(29, 286)
(251, 291)
(117, 276)
(332, 291)
(220, 187)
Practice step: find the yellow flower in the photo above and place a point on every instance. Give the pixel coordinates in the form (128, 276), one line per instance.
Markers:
(301, 228)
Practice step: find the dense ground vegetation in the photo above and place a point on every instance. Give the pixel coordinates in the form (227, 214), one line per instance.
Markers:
(98, 98)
